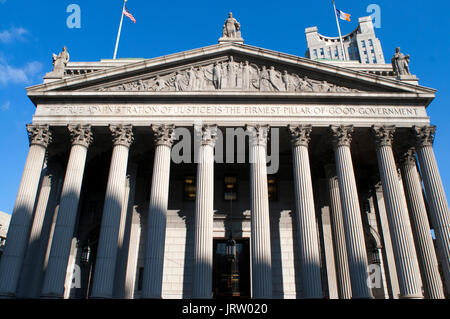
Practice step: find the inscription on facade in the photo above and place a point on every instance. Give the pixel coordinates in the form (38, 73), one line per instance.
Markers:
(231, 110)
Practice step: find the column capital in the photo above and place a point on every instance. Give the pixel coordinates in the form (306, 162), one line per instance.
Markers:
(258, 134)
(80, 134)
(122, 134)
(300, 134)
(424, 135)
(408, 158)
(341, 135)
(207, 133)
(383, 134)
(39, 135)
(163, 134)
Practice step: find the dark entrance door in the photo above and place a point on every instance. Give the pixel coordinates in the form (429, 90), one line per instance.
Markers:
(231, 279)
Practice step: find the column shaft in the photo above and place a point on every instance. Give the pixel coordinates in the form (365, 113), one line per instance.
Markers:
(306, 216)
(204, 215)
(340, 249)
(421, 228)
(260, 223)
(404, 250)
(106, 260)
(22, 216)
(351, 213)
(437, 200)
(55, 276)
(157, 214)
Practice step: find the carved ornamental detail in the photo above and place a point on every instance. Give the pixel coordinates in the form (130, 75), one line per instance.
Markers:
(258, 134)
(122, 134)
(341, 135)
(80, 134)
(163, 134)
(207, 134)
(383, 135)
(39, 135)
(300, 134)
(229, 75)
(424, 135)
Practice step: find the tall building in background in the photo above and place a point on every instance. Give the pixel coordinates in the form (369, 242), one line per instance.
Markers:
(361, 45)
(231, 171)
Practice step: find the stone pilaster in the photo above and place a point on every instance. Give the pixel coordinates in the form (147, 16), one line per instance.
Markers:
(204, 214)
(157, 214)
(22, 216)
(404, 250)
(337, 222)
(306, 217)
(106, 259)
(421, 227)
(55, 276)
(351, 213)
(260, 223)
(435, 193)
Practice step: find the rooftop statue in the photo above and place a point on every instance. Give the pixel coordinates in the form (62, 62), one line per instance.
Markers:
(59, 64)
(400, 63)
(231, 28)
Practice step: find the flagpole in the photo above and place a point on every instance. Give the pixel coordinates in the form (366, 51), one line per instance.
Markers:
(340, 35)
(120, 30)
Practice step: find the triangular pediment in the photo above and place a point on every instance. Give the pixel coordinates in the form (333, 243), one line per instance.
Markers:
(229, 68)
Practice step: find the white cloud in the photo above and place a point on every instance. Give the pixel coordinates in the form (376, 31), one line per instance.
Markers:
(8, 36)
(5, 106)
(10, 74)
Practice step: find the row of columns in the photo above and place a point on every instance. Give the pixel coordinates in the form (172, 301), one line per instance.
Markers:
(345, 209)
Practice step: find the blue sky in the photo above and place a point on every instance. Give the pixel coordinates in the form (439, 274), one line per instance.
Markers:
(30, 31)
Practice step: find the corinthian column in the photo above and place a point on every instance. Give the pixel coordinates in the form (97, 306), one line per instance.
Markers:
(351, 214)
(260, 222)
(105, 262)
(306, 217)
(22, 216)
(421, 227)
(55, 275)
(204, 214)
(404, 250)
(340, 249)
(440, 214)
(157, 213)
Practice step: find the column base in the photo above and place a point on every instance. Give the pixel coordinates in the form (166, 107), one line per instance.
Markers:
(8, 295)
(411, 297)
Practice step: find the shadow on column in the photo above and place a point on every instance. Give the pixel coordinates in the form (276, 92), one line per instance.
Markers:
(188, 254)
(277, 264)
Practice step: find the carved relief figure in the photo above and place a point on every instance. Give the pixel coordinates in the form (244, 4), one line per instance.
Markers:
(179, 82)
(232, 73)
(286, 78)
(229, 75)
(273, 75)
(217, 76)
(192, 79)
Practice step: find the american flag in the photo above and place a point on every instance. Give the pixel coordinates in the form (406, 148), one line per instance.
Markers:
(128, 14)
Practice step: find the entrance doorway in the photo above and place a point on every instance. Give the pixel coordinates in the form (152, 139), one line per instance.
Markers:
(231, 273)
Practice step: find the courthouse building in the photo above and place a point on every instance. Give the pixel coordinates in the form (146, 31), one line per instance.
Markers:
(231, 171)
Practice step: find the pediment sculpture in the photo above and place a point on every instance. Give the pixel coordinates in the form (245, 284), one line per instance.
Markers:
(229, 76)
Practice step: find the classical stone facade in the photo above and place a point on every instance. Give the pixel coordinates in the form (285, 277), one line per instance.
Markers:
(140, 171)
